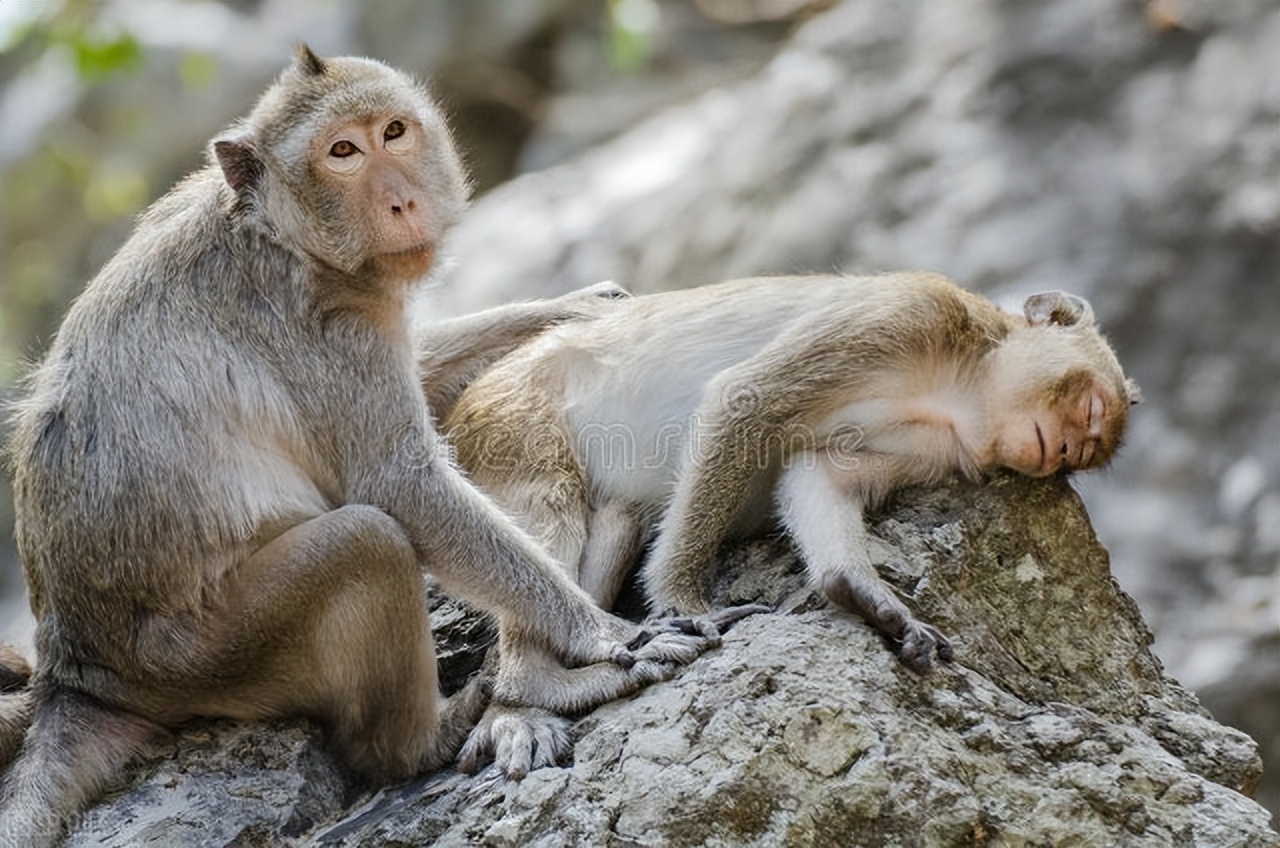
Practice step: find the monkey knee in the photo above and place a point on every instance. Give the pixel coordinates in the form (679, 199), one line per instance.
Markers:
(371, 533)
(14, 671)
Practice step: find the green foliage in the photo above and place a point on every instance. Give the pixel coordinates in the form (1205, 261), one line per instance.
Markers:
(633, 25)
(99, 55)
(95, 50)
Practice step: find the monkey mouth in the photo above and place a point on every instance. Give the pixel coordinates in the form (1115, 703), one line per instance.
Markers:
(422, 249)
(1043, 456)
(411, 261)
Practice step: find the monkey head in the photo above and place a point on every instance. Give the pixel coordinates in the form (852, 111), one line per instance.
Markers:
(348, 163)
(1057, 396)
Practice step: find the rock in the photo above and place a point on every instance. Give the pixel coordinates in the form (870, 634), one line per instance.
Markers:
(1126, 154)
(1055, 724)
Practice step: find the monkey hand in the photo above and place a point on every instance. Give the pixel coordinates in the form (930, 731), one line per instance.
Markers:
(710, 626)
(592, 301)
(914, 641)
(678, 640)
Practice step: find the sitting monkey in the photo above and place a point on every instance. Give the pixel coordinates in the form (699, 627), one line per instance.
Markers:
(227, 483)
(697, 414)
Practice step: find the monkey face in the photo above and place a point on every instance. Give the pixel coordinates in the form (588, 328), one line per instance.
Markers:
(371, 170)
(1061, 401)
(1071, 432)
(349, 163)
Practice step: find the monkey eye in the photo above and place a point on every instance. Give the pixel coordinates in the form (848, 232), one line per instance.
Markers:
(342, 149)
(1097, 411)
(397, 138)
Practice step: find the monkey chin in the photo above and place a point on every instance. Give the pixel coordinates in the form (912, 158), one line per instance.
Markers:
(408, 264)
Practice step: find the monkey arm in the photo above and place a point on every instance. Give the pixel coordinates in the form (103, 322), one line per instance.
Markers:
(822, 509)
(747, 417)
(453, 352)
(477, 552)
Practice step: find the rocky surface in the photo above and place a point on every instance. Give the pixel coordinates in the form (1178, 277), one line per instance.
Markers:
(1124, 151)
(1055, 724)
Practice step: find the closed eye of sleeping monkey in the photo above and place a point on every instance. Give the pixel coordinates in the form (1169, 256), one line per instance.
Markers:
(701, 414)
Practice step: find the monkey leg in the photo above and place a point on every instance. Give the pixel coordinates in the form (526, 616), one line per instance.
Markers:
(826, 523)
(15, 716)
(613, 542)
(551, 507)
(454, 352)
(734, 440)
(330, 620)
(75, 749)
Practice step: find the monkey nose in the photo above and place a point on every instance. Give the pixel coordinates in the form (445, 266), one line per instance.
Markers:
(404, 206)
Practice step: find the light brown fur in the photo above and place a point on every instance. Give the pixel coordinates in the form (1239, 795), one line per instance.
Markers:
(814, 397)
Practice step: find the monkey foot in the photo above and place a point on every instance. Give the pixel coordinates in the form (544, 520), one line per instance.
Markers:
(918, 644)
(517, 739)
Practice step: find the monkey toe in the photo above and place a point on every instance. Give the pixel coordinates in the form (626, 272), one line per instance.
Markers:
(474, 752)
(643, 637)
(703, 627)
(946, 653)
(655, 671)
(517, 739)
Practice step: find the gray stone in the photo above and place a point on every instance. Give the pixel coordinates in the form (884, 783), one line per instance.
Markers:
(1054, 725)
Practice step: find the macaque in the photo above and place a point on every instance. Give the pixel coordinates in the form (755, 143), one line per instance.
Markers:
(687, 417)
(228, 487)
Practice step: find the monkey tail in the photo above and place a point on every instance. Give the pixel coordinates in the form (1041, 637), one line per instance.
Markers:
(75, 748)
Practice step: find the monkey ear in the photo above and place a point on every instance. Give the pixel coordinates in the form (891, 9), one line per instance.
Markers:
(309, 62)
(1059, 308)
(1132, 392)
(240, 164)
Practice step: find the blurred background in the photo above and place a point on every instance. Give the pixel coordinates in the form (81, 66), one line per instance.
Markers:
(1125, 150)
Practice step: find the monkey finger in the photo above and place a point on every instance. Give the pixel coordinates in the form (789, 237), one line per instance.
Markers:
(700, 626)
(607, 290)
(513, 754)
(725, 618)
(679, 648)
(918, 645)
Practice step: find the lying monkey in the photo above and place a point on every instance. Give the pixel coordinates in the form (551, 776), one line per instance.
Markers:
(698, 414)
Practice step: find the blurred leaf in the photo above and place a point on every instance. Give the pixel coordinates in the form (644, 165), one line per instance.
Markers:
(113, 194)
(633, 25)
(198, 70)
(97, 57)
